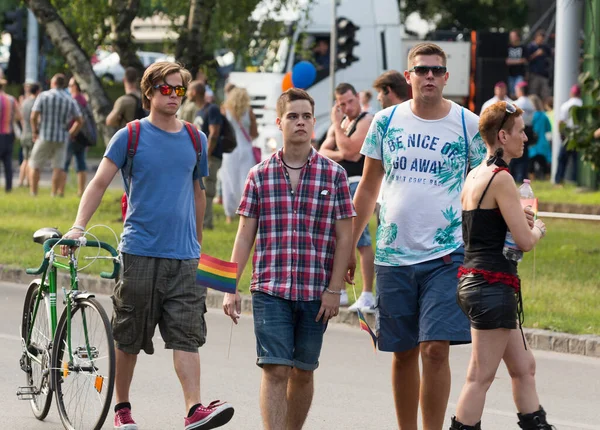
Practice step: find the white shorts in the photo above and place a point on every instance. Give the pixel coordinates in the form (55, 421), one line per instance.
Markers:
(44, 150)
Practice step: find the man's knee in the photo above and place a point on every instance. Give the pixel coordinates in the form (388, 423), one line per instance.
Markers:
(276, 374)
(302, 376)
(405, 358)
(435, 352)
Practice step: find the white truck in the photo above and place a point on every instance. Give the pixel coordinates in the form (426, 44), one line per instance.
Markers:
(380, 47)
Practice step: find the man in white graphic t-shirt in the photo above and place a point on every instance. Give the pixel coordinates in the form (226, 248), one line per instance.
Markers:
(421, 149)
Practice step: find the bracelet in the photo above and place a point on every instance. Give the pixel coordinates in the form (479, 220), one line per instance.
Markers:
(77, 227)
(541, 230)
(338, 293)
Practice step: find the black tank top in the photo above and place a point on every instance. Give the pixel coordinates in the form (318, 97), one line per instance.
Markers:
(354, 168)
(484, 231)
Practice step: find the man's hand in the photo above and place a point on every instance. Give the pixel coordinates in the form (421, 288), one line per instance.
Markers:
(232, 306)
(349, 277)
(530, 215)
(330, 305)
(336, 115)
(74, 233)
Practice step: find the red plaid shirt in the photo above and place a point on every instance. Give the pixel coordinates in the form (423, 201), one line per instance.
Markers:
(295, 241)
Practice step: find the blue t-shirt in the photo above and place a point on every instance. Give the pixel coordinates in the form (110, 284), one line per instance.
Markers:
(161, 214)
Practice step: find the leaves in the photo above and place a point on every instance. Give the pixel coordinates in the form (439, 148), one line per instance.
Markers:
(470, 14)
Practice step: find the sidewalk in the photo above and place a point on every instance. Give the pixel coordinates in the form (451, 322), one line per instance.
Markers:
(588, 345)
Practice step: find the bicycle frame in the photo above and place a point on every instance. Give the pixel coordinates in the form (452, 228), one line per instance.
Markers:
(49, 267)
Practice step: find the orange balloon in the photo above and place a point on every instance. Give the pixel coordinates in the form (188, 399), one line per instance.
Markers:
(286, 84)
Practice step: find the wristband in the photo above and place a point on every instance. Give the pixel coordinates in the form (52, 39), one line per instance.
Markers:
(337, 293)
(543, 231)
(77, 227)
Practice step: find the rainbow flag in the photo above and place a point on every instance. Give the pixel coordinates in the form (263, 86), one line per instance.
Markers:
(216, 274)
(365, 326)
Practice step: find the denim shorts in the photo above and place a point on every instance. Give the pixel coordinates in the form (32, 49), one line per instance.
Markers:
(365, 237)
(286, 331)
(417, 304)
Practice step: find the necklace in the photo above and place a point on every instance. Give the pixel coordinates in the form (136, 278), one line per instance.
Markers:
(293, 168)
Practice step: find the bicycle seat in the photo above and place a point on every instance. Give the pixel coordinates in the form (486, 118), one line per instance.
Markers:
(43, 234)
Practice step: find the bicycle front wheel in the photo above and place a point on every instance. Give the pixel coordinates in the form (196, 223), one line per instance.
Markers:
(36, 363)
(84, 366)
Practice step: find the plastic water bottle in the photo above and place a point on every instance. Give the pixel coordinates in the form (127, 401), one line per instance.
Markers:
(511, 251)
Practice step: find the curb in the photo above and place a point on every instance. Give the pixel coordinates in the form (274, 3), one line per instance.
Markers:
(544, 340)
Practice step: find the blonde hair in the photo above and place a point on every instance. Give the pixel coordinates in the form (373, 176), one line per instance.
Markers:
(237, 102)
(537, 102)
(156, 73)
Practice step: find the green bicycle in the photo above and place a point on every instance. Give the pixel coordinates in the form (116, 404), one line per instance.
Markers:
(73, 357)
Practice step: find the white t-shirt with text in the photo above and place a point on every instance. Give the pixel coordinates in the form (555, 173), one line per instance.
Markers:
(425, 163)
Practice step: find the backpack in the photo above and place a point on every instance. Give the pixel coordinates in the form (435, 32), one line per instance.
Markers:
(89, 130)
(133, 138)
(227, 140)
(140, 112)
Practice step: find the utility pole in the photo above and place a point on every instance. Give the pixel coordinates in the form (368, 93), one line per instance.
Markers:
(32, 53)
(333, 47)
(566, 71)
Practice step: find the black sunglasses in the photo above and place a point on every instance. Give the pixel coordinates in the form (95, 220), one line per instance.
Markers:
(437, 71)
(510, 109)
(166, 89)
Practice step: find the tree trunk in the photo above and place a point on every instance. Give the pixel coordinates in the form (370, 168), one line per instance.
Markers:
(122, 14)
(190, 49)
(75, 57)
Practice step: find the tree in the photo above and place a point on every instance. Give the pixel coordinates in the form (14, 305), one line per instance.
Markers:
(76, 58)
(470, 14)
(122, 14)
(218, 24)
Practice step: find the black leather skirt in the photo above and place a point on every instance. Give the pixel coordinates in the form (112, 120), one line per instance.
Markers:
(488, 306)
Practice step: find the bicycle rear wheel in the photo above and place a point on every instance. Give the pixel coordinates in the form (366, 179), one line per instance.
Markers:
(37, 370)
(84, 380)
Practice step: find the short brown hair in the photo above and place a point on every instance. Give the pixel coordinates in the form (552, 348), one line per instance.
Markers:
(426, 48)
(344, 87)
(60, 79)
(131, 75)
(157, 72)
(393, 80)
(292, 95)
(490, 119)
(196, 88)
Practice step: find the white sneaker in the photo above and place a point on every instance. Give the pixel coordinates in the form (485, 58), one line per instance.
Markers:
(344, 298)
(366, 303)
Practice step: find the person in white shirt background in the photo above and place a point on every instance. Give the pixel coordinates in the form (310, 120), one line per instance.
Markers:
(499, 96)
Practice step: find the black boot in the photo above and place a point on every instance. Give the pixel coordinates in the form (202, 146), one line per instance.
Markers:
(457, 425)
(535, 421)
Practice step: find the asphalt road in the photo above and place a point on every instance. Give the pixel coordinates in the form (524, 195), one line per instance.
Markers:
(352, 384)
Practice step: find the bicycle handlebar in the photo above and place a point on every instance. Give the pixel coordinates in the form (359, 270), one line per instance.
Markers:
(77, 243)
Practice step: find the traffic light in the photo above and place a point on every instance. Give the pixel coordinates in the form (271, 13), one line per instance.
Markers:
(346, 41)
(14, 23)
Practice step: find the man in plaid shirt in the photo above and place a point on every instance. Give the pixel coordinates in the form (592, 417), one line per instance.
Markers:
(297, 205)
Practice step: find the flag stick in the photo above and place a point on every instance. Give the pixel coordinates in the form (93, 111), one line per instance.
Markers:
(230, 336)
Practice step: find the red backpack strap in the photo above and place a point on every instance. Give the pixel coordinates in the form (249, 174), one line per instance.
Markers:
(195, 136)
(133, 138)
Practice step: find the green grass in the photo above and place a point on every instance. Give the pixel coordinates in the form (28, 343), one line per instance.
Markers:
(564, 296)
(547, 192)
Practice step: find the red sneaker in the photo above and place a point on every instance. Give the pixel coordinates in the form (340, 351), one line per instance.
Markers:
(208, 417)
(123, 420)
